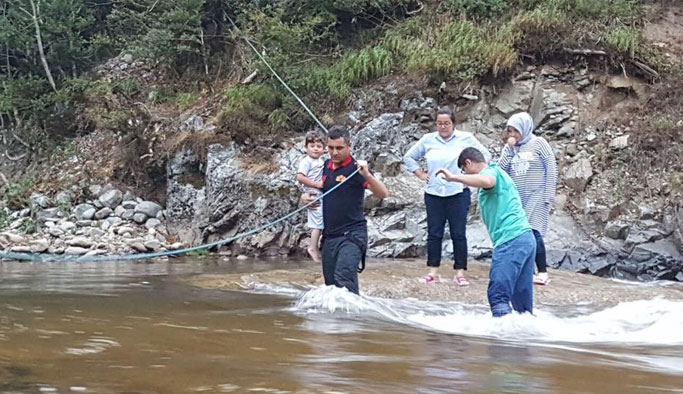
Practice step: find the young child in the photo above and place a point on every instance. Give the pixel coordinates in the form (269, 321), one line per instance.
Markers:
(310, 176)
(514, 245)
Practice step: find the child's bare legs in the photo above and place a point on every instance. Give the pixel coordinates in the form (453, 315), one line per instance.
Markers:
(313, 250)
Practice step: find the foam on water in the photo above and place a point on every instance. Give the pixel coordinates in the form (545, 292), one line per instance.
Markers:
(656, 322)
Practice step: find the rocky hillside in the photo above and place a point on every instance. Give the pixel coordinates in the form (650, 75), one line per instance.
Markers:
(206, 169)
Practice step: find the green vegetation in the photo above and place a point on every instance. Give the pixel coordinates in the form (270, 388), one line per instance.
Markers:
(16, 195)
(324, 49)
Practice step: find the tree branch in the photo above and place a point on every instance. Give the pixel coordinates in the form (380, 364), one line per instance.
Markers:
(41, 51)
(585, 52)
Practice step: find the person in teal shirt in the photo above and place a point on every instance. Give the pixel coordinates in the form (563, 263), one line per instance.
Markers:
(514, 245)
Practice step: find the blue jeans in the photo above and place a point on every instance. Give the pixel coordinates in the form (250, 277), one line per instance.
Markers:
(511, 278)
(454, 210)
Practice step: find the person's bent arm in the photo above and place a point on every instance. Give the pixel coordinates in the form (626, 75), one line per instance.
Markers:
(304, 180)
(506, 158)
(377, 187)
(474, 180)
(411, 158)
(374, 185)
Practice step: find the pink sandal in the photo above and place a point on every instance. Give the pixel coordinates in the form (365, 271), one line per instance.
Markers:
(461, 281)
(429, 279)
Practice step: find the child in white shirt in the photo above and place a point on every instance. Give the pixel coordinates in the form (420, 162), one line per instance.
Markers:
(309, 175)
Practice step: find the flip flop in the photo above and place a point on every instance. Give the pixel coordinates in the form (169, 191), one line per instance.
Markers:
(429, 279)
(461, 281)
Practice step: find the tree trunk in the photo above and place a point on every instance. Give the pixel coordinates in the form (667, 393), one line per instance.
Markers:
(39, 40)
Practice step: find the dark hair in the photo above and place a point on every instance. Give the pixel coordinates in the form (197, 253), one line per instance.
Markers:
(316, 135)
(446, 111)
(337, 132)
(471, 154)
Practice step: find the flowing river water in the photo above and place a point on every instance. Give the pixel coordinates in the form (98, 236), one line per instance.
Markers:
(148, 328)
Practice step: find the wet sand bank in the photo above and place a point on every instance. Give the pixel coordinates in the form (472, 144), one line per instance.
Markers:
(398, 279)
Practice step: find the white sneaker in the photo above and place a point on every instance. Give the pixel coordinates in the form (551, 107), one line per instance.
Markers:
(541, 279)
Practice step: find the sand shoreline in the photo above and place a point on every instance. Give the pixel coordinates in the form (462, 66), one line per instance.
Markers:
(397, 279)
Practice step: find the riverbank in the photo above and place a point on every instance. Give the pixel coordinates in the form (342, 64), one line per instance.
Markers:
(399, 279)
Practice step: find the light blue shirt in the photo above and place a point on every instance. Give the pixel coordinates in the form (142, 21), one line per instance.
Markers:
(440, 153)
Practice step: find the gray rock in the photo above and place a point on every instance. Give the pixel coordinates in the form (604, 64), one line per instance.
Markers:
(120, 210)
(152, 244)
(7, 237)
(567, 130)
(139, 218)
(76, 250)
(80, 241)
(38, 201)
(95, 232)
(84, 212)
(103, 213)
(98, 204)
(16, 224)
(152, 223)
(639, 236)
(176, 246)
(646, 213)
(128, 214)
(64, 198)
(514, 98)
(55, 232)
(106, 225)
(20, 249)
(95, 191)
(113, 220)
(617, 230)
(149, 208)
(137, 246)
(49, 214)
(620, 142)
(578, 175)
(86, 223)
(111, 198)
(130, 204)
(128, 196)
(124, 229)
(67, 227)
(40, 246)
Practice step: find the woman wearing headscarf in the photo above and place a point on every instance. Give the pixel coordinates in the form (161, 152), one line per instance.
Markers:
(444, 201)
(530, 162)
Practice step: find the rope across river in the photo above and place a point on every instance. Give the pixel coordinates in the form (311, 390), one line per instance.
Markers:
(43, 257)
(40, 257)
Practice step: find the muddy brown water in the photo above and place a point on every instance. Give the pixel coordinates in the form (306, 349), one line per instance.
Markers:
(212, 326)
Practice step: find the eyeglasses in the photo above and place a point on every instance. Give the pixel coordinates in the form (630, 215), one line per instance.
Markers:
(446, 124)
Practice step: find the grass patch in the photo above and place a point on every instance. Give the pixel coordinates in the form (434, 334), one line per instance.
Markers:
(624, 41)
